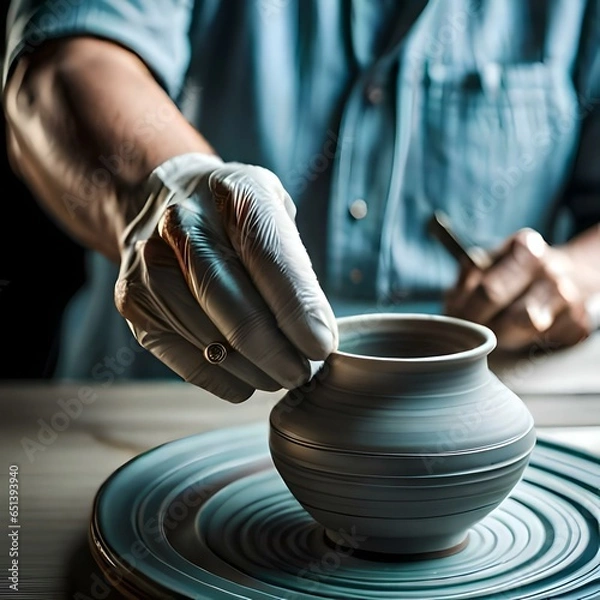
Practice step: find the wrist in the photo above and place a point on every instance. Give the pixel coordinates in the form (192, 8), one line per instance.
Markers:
(171, 180)
(582, 257)
(181, 173)
(582, 268)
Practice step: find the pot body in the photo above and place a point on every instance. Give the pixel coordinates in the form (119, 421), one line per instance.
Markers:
(404, 439)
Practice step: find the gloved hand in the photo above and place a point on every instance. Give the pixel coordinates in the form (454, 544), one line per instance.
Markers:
(215, 256)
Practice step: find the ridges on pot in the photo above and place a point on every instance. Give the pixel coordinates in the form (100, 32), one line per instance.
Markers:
(404, 435)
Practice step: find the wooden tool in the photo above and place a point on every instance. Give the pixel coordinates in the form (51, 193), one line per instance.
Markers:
(439, 227)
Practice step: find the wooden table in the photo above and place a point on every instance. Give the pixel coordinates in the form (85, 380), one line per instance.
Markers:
(66, 439)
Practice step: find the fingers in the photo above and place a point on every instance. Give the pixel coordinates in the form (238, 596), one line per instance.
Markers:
(229, 266)
(532, 314)
(468, 279)
(189, 363)
(484, 294)
(526, 296)
(253, 209)
(170, 292)
(223, 290)
(152, 295)
(570, 327)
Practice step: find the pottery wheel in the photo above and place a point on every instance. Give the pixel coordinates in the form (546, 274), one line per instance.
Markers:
(208, 516)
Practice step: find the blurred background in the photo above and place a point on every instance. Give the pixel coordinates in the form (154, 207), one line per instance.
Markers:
(31, 306)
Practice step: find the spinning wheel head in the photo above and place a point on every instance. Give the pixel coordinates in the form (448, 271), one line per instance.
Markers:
(208, 516)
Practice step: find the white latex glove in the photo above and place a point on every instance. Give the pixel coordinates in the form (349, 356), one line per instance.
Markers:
(215, 256)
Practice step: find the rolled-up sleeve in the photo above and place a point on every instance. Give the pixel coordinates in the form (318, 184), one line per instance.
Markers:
(157, 31)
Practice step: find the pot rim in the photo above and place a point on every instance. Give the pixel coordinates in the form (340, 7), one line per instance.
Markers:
(489, 340)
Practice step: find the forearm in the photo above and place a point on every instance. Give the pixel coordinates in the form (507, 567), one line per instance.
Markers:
(87, 123)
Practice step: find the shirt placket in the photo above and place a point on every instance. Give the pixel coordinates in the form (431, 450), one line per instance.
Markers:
(359, 198)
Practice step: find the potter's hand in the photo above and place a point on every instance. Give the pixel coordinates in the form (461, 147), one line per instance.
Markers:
(532, 294)
(215, 256)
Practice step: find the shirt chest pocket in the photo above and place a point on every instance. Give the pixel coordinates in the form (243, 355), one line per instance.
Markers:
(496, 145)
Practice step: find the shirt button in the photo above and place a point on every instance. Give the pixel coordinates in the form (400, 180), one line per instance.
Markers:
(374, 94)
(358, 209)
(356, 276)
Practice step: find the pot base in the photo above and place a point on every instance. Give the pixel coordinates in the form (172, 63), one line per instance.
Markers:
(398, 549)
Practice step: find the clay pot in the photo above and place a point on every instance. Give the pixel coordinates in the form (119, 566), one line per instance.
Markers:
(405, 438)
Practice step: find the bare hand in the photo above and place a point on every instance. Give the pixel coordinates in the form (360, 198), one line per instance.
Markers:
(528, 296)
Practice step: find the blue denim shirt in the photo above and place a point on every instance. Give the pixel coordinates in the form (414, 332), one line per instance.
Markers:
(373, 113)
